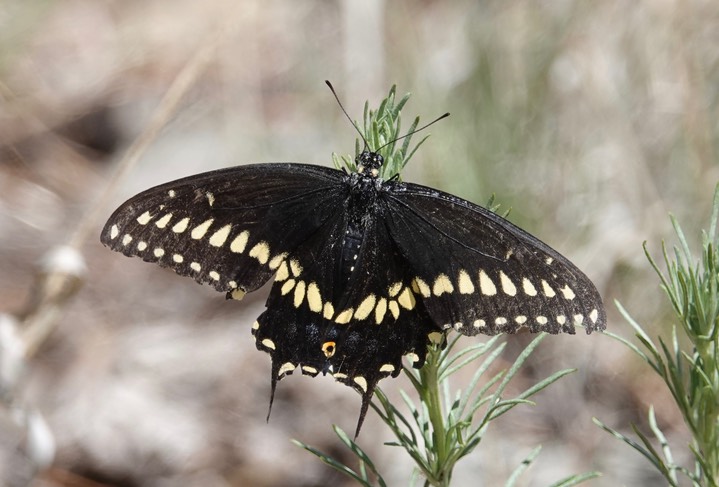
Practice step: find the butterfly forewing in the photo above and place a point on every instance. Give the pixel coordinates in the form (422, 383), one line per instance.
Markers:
(229, 228)
(479, 273)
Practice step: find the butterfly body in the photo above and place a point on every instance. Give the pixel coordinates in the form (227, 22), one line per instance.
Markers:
(365, 270)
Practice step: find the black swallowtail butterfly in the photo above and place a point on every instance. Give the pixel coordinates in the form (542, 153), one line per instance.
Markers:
(365, 269)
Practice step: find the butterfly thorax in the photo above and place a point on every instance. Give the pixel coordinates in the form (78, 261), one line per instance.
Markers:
(364, 186)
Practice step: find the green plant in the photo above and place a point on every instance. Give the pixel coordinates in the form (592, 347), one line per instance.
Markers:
(381, 129)
(689, 363)
(445, 425)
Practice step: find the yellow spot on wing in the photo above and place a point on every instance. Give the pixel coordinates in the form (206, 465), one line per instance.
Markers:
(299, 293)
(365, 308)
(162, 222)
(220, 236)
(548, 291)
(261, 252)
(465, 283)
(406, 299)
(413, 357)
(380, 310)
(394, 289)
(195, 266)
(486, 285)
(268, 343)
(328, 311)
(200, 230)
(442, 285)
(141, 246)
(240, 242)
(214, 275)
(387, 368)
(283, 272)
(181, 226)
(178, 258)
(159, 252)
(528, 287)
(422, 287)
(277, 260)
(295, 267)
(361, 382)
(507, 285)
(567, 292)
(114, 232)
(344, 317)
(287, 287)
(126, 239)
(314, 298)
(238, 294)
(394, 309)
(594, 315)
(286, 367)
(144, 219)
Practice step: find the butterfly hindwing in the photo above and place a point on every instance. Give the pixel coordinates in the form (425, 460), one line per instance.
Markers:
(355, 323)
(228, 228)
(479, 273)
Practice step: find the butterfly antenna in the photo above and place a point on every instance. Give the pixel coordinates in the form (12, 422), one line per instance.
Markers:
(332, 89)
(414, 131)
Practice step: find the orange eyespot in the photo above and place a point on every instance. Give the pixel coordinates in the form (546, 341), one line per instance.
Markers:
(329, 349)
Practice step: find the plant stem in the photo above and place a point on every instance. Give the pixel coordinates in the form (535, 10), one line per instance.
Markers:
(432, 398)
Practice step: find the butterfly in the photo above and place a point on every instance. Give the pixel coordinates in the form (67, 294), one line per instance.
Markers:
(366, 270)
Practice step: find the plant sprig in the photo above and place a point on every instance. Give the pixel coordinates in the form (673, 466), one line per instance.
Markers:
(444, 426)
(689, 363)
(381, 127)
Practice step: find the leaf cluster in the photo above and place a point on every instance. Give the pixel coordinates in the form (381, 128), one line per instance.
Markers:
(381, 130)
(443, 426)
(689, 363)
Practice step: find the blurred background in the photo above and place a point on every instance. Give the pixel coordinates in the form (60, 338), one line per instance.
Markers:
(591, 120)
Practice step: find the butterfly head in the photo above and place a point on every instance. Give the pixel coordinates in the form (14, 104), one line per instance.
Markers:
(369, 163)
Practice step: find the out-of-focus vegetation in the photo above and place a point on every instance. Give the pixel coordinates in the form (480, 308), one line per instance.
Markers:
(590, 119)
